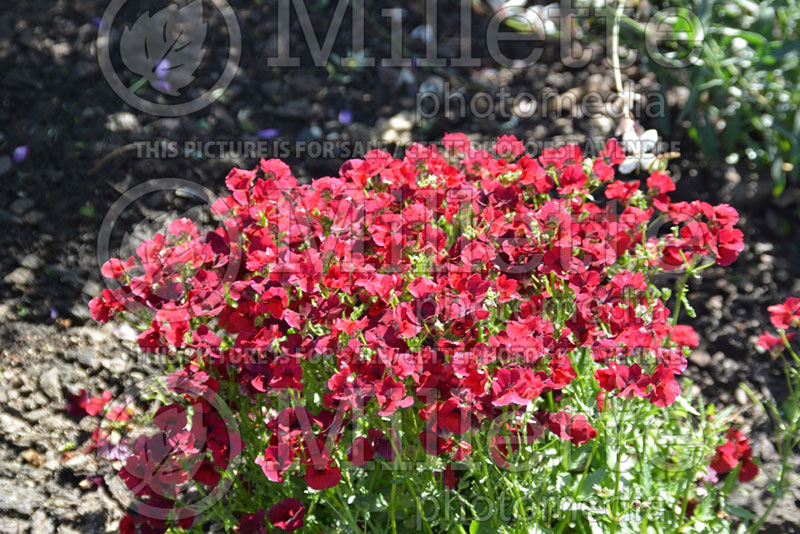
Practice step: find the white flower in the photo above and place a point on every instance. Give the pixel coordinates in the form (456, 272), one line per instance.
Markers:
(639, 149)
(738, 44)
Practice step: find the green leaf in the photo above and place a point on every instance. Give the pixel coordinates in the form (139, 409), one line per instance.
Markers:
(738, 511)
(592, 479)
(684, 404)
(87, 210)
(484, 527)
(730, 481)
(778, 176)
(790, 409)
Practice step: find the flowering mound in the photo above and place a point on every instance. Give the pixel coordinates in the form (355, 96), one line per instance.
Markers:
(436, 343)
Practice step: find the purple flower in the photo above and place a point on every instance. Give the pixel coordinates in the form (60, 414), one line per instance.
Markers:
(269, 133)
(120, 451)
(20, 153)
(162, 85)
(162, 68)
(345, 116)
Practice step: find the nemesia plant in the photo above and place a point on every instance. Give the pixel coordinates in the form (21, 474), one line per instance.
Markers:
(785, 415)
(455, 341)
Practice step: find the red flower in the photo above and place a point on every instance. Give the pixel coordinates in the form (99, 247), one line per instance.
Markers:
(253, 523)
(509, 146)
(458, 142)
(324, 478)
(786, 315)
(580, 431)
(449, 477)
(80, 404)
(76, 404)
(575, 428)
(515, 386)
(361, 452)
(730, 242)
(116, 269)
(207, 474)
(613, 152)
(170, 418)
(127, 525)
(665, 388)
(573, 180)
(660, 183)
(559, 156)
(102, 308)
(622, 191)
(276, 461)
(603, 171)
(391, 396)
(685, 336)
(630, 381)
(773, 344)
(287, 514)
(734, 452)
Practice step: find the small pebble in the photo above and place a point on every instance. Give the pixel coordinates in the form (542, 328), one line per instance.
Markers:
(21, 205)
(5, 165)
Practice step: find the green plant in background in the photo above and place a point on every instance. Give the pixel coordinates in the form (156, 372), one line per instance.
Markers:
(739, 60)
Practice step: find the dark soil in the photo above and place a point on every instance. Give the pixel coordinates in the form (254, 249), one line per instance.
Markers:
(79, 134)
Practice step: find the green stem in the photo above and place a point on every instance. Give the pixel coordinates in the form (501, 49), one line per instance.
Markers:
(339, 498)
(779, 490)
(680, 288)
(392, 520)
(419, 507)
(685, 505)
(586, 469)
(788, 346)
(617, 475)
(138, 84)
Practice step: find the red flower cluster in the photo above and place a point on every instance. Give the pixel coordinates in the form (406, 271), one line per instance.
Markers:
(454, 284)
(734, 452)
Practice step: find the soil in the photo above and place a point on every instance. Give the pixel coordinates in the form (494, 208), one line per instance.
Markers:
(81, 158)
